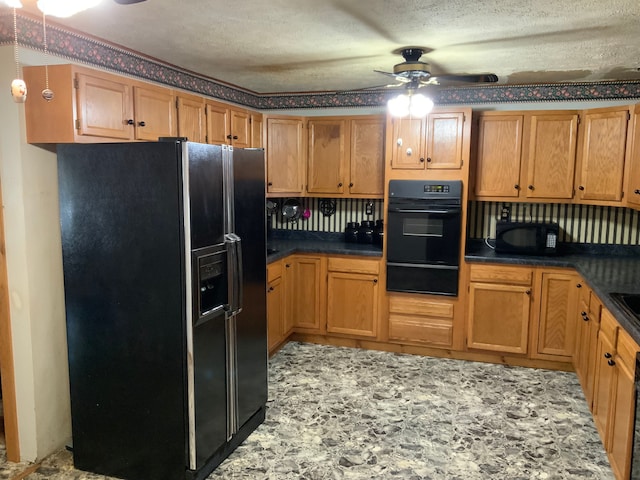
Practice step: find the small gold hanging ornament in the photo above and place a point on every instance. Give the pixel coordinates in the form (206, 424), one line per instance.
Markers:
(18, 87)
(47, 93)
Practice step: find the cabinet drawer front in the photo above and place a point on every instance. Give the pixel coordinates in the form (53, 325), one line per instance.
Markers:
(626, 350)
(493, 274)
(354, 265)
(432, 332)
(274, 270)
(423, 308)
(608, 326)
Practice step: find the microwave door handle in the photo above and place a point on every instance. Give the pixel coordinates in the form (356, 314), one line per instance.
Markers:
(443, 212)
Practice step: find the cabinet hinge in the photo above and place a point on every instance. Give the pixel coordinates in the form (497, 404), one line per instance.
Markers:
(628, 116)
(177, 103)
(578, 119)
(76, 84)
(622, 195)
(77, 124)
(464, 118)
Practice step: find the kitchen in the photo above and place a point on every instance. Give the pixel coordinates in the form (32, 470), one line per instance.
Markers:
(39, 197)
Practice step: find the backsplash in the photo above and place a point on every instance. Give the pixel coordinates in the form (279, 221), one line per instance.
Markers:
(346, 210)
(578, 223)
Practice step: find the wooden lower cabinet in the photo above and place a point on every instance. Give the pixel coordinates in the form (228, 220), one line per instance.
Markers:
(275, 306)
(421, 319)
(587, 326)
(352, 297)
(305, 293)
(499, 305)
(604, 375)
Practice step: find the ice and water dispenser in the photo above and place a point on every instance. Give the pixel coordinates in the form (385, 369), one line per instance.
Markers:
(211, 284)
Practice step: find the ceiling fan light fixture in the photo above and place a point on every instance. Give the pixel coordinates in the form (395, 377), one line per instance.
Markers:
(65, 8)
(416, 105)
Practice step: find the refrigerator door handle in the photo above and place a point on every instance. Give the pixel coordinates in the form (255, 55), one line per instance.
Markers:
(234, 255)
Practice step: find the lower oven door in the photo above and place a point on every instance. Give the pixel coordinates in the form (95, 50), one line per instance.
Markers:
(422, 278)
(429, 235)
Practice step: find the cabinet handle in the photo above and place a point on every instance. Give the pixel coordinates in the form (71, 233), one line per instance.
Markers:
(581, 187)
(351, 185)
(516, 186)
(142, 124)
(340, 184)
(130, 121)
(287, 265)
(375, 280)
(271, 289)
(579, 285)
(421, 159)
(270, 184)
(530, 187)
(607, 355)
(528, 292)
(229, 137)
(637, 192)
(428, 159)
(611, 363)
(235, 137)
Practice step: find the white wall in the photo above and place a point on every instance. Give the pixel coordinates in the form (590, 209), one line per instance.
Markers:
(28, 175)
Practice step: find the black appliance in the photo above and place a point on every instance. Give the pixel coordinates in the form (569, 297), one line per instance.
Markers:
(423, 236)
(164, 274)
(527, 238)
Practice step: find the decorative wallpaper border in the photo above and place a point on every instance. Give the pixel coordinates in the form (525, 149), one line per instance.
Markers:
(87, 50)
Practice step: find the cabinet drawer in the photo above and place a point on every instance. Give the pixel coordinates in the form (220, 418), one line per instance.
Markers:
(414, 306)
(430, 331)
(608, 326)
(274, 270)
(354, 265)
(493, 274)
(626, 350)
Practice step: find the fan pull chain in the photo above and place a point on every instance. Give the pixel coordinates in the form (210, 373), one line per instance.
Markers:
(18, 87)
(47, 94)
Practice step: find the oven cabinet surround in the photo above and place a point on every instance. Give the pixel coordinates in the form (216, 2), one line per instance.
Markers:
(325, 156)
(521, 310)
(587, 327)
(275, 307)
(614, 396)
(434, 143)
(552, 156)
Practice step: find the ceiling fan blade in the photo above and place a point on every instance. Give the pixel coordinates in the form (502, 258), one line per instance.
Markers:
(479, 78)
(128, 2)
(399, 78)
(377, 87)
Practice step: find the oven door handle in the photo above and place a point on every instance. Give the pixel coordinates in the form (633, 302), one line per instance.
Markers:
(443, 212)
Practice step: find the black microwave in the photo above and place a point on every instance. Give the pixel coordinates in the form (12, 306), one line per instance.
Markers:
(527, 238)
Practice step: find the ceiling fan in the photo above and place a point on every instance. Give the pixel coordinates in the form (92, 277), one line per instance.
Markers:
(413, 74)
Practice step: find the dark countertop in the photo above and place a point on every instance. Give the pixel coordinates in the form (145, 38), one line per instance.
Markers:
(606, 269)
(286, 243)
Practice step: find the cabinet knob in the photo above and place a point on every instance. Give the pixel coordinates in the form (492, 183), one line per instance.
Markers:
(351, 185)
(516, 186)
(421, 159)
(130, 121)
(235, 137)
(271, 289)
(229, 137)
(375, 280)
(637, 192)
(581, 187)
(584, 314)
(142, 124)
(579, 285)
(528, 292)
(428, 159)
(607, 355)
(288, 265)
(585, 318)
(270, 184)
(340, 184)
(530, 187)
(611, 363)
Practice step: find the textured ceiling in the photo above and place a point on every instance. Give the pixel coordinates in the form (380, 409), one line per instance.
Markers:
(334, 45)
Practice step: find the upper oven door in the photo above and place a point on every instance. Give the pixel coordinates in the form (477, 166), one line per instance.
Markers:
(423, 233)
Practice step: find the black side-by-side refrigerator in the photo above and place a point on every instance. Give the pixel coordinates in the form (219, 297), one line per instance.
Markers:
(164, 274)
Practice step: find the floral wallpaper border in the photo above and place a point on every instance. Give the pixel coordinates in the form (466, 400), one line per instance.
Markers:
(84, 49)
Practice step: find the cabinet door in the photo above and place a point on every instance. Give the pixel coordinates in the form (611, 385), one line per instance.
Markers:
(105, 107)
(407, 151)
(499, 155)
(155, 113)
(498, 317)
(218, 128)
(366, 159)
(256, 130)
(352, 304)
(327, 156)
(285, 167)
(602, 154)
(551, 155)
(604, 383)
(191, 118)
(444, 140)
(581, 352)
(303, 280)
(557, 320)
(275, 313)
(633, 183)
(622, 420)
(240, 130)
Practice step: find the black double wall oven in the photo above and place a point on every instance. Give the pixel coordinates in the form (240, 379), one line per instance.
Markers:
(423, 236)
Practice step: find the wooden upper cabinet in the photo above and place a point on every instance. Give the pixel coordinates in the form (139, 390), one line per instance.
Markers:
(632, 187)
(155, 113)
(256, 122)
(602, 153)
(445, 140)
(407, 150)
(285, 155)
(191, 117)
(366, 158)
(549, 155)
(240, 129)
(227, 125)
(498, 155)
(326, 159)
